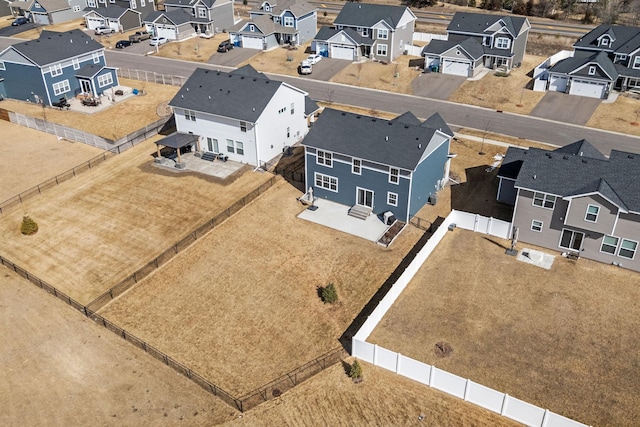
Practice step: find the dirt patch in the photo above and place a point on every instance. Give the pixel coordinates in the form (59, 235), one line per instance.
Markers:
(194, 49)
(442, 349)
(393, 77)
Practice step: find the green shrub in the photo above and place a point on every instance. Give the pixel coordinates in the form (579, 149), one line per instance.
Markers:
(329, 294)
(500, 74)
(29, 226)
(356, 371)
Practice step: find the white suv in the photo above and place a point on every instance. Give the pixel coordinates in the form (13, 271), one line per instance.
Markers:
(104, 30)
(306, 67)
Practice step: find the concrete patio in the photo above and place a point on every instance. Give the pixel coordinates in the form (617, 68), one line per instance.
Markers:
(191, 163)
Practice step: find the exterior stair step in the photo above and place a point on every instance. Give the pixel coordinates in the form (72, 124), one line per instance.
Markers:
(360, 212)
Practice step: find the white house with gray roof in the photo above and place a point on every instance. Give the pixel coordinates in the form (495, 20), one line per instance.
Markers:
(575, 200)
(117, 18)
(383, 31)
(242, 114)
(56, 65)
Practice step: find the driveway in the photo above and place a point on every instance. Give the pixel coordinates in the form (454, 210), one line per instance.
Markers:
(12, 31)
(232, 58)
(436, 85)
(328, 68)
(565, 108)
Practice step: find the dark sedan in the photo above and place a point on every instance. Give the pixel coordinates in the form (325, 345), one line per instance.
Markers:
(20, 21)
(121, 44)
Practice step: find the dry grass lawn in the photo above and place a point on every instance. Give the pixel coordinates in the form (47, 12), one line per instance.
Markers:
(76, 24)
(276, 60)
(30, 157)
(382, 399)
(565, 339)
(241, 305)
(377, 75)
(103, 225)
(194, 49)
(621, 116)
(112, 123)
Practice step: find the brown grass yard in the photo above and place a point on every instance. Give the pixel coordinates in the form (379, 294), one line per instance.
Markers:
(101, 226)
(241, 305)
(564, 339)
(193, 49)
(30, 157)
(619, 116)
(76, 24)
(380, 76)
(277, 61)
(382, 399)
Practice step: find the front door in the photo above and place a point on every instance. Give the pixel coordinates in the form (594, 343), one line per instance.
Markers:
(85, 86)
(364, 197)
(571, 240)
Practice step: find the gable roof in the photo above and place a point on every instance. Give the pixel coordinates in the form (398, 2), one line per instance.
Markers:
(176, 16)
(368, 14)
(573, 63)
(386, 142)
(248, 71)
(297, 7)
(55, 46)
(109, 12)
(624, 38)
(568, 175)
(437, 122)
(326, 33)
(471, 46)
(236, 95)
(53, 5)
(208, 3)
(582, 148)
(478, 23)
(89, 70)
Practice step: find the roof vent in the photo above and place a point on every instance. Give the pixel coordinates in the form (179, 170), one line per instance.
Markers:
(419, 146)
(200, 86)
(565, 157)
(206, 71)
(182, 96)
(581, 153)
(548, 155)
(344, 114)
(535, 176)
(374, 119)
(630, 156)
(209, 96)
(242, 78)
(187, 89)
(254, 80)
(253, 109)
(406, 126)
(358, 116)
(218, 73)
(386, 138)
(584, 161)
(390, 123)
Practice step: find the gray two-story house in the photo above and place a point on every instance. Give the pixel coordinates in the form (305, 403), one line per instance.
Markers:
(206, 16)
(376, 165)
(375, 31)
(476, 41)
(47, 12)
(575, 200)
(56, 65)
(297, 18)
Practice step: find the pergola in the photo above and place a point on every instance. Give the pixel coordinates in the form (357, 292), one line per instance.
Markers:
(178, 140)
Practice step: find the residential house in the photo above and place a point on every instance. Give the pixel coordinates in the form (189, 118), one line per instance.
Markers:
(5, 9)
(207, 16)
(375, 164)
(173, 25)
(260, 33)
(142, 6)
(117, 18)
(375, 31)
(576, 200)
(56, 65)
(47, 12)
(604, 59)
(242, 114)
(476, 41)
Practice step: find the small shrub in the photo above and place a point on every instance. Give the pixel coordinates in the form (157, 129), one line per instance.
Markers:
(29, 226)
(501, 74)
(329, 294)
(356, 371)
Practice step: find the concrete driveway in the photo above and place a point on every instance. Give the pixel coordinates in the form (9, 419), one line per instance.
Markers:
(12, 31)
(436, 85)
(232, 58)
(327, 68)
(565, 108)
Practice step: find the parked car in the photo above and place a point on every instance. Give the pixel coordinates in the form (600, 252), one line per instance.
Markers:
(121, 44)
(157, 41)
(20, 21)
(306, 67)
(225, 46)
(138, 36)
(314, 59)
(104, 30)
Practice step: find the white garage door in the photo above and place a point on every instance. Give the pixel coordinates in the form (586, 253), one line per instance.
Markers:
(168, 33)
(588, 88)
(558, 84)
(93, 23)
(341, 52)
(252, 42)
(456, 68)
(42, 19)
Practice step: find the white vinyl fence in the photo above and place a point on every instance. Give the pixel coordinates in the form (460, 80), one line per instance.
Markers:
(427, 37)
(541, 72)
(462, 388)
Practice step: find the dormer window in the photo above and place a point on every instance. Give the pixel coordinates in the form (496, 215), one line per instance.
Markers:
(636, 62)
(252, 28)
(36, 5)
(604, 41)
(267, 8)
(288, 21)
(592, 70)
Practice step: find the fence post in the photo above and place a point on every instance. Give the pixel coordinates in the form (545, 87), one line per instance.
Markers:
(504, 404)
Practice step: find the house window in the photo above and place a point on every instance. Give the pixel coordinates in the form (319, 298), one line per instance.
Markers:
(609, 244)
(267, 8)
(202, 12)
(252, 28)
(571, 240)
(536, 225)
(91, 3)
(503, 43)
(212, 145)
(76, 63)
(230, 148)
(356, 166)
(636, 62)
(2, 66)
(243, 126)
(383, 33)
(240, 148)
(604, 41)
(190, 115)
(544, 200)
(105, 79)
(61, 87)
(56, 70)
(627, 249)
(392, 199)
(76, 8)
(365, 32)
(288, 132)
(276, 19)
(592, 213)
(96, 58)
(143, 3)
(292, 108)
(592, 70)
(133, 4)
(394, 175)
(327, 182)
(324, 158)
(382, 50)
(288, 21)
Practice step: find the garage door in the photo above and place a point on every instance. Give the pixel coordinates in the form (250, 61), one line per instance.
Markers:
(41, 19)
(168, 33)
(588, 88)
(558, 84)
(341, 52)
(252, 42)
(93, 23)
(456, 68)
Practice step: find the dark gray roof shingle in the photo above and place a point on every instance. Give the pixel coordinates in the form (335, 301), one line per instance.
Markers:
(471, 46)
(477, 23)
(568, 65)
(368, 14)
(326, 33)
(624, 38)
(54, 46)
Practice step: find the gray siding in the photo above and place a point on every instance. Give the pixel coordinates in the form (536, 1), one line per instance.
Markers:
(402, 37)
(22, 81)
(526, 211)
(270, 41)
(425, 178)
(64, 16)
(519, 47)
(606, 217)
(307, 28)
(130, 20)
(223, 17)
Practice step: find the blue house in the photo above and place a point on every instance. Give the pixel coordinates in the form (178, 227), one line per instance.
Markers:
(376, 165)
(56, 65)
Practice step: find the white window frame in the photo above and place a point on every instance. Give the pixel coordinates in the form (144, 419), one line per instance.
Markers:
(105, 79)
(230, 146)
(133, 4)
(2, 66)
(324, 158)
(202, 12)
(394, 176)
(213, 142)
(356, 166)
(327, 182)
(634, 250)
(76, 8)
(383, 34)
(240, 148)
(190, 115)
(243, 126)
(536, 226)
(592, 70)
(381, 49)
(636, 62)
(96, 57)
(289, 21)
(609, 245)
(573, 235)
(365, 32)
(544, 199)
(503, 43)
(61, 87)
(143, 3)
(91, 3)
(252, 28)
(591, 216)
(56, 70)
(76, 63)
(604, 41)
(392, 198)
(292, 108)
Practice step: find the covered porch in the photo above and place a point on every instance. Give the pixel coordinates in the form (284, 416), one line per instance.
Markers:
(181, 143)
